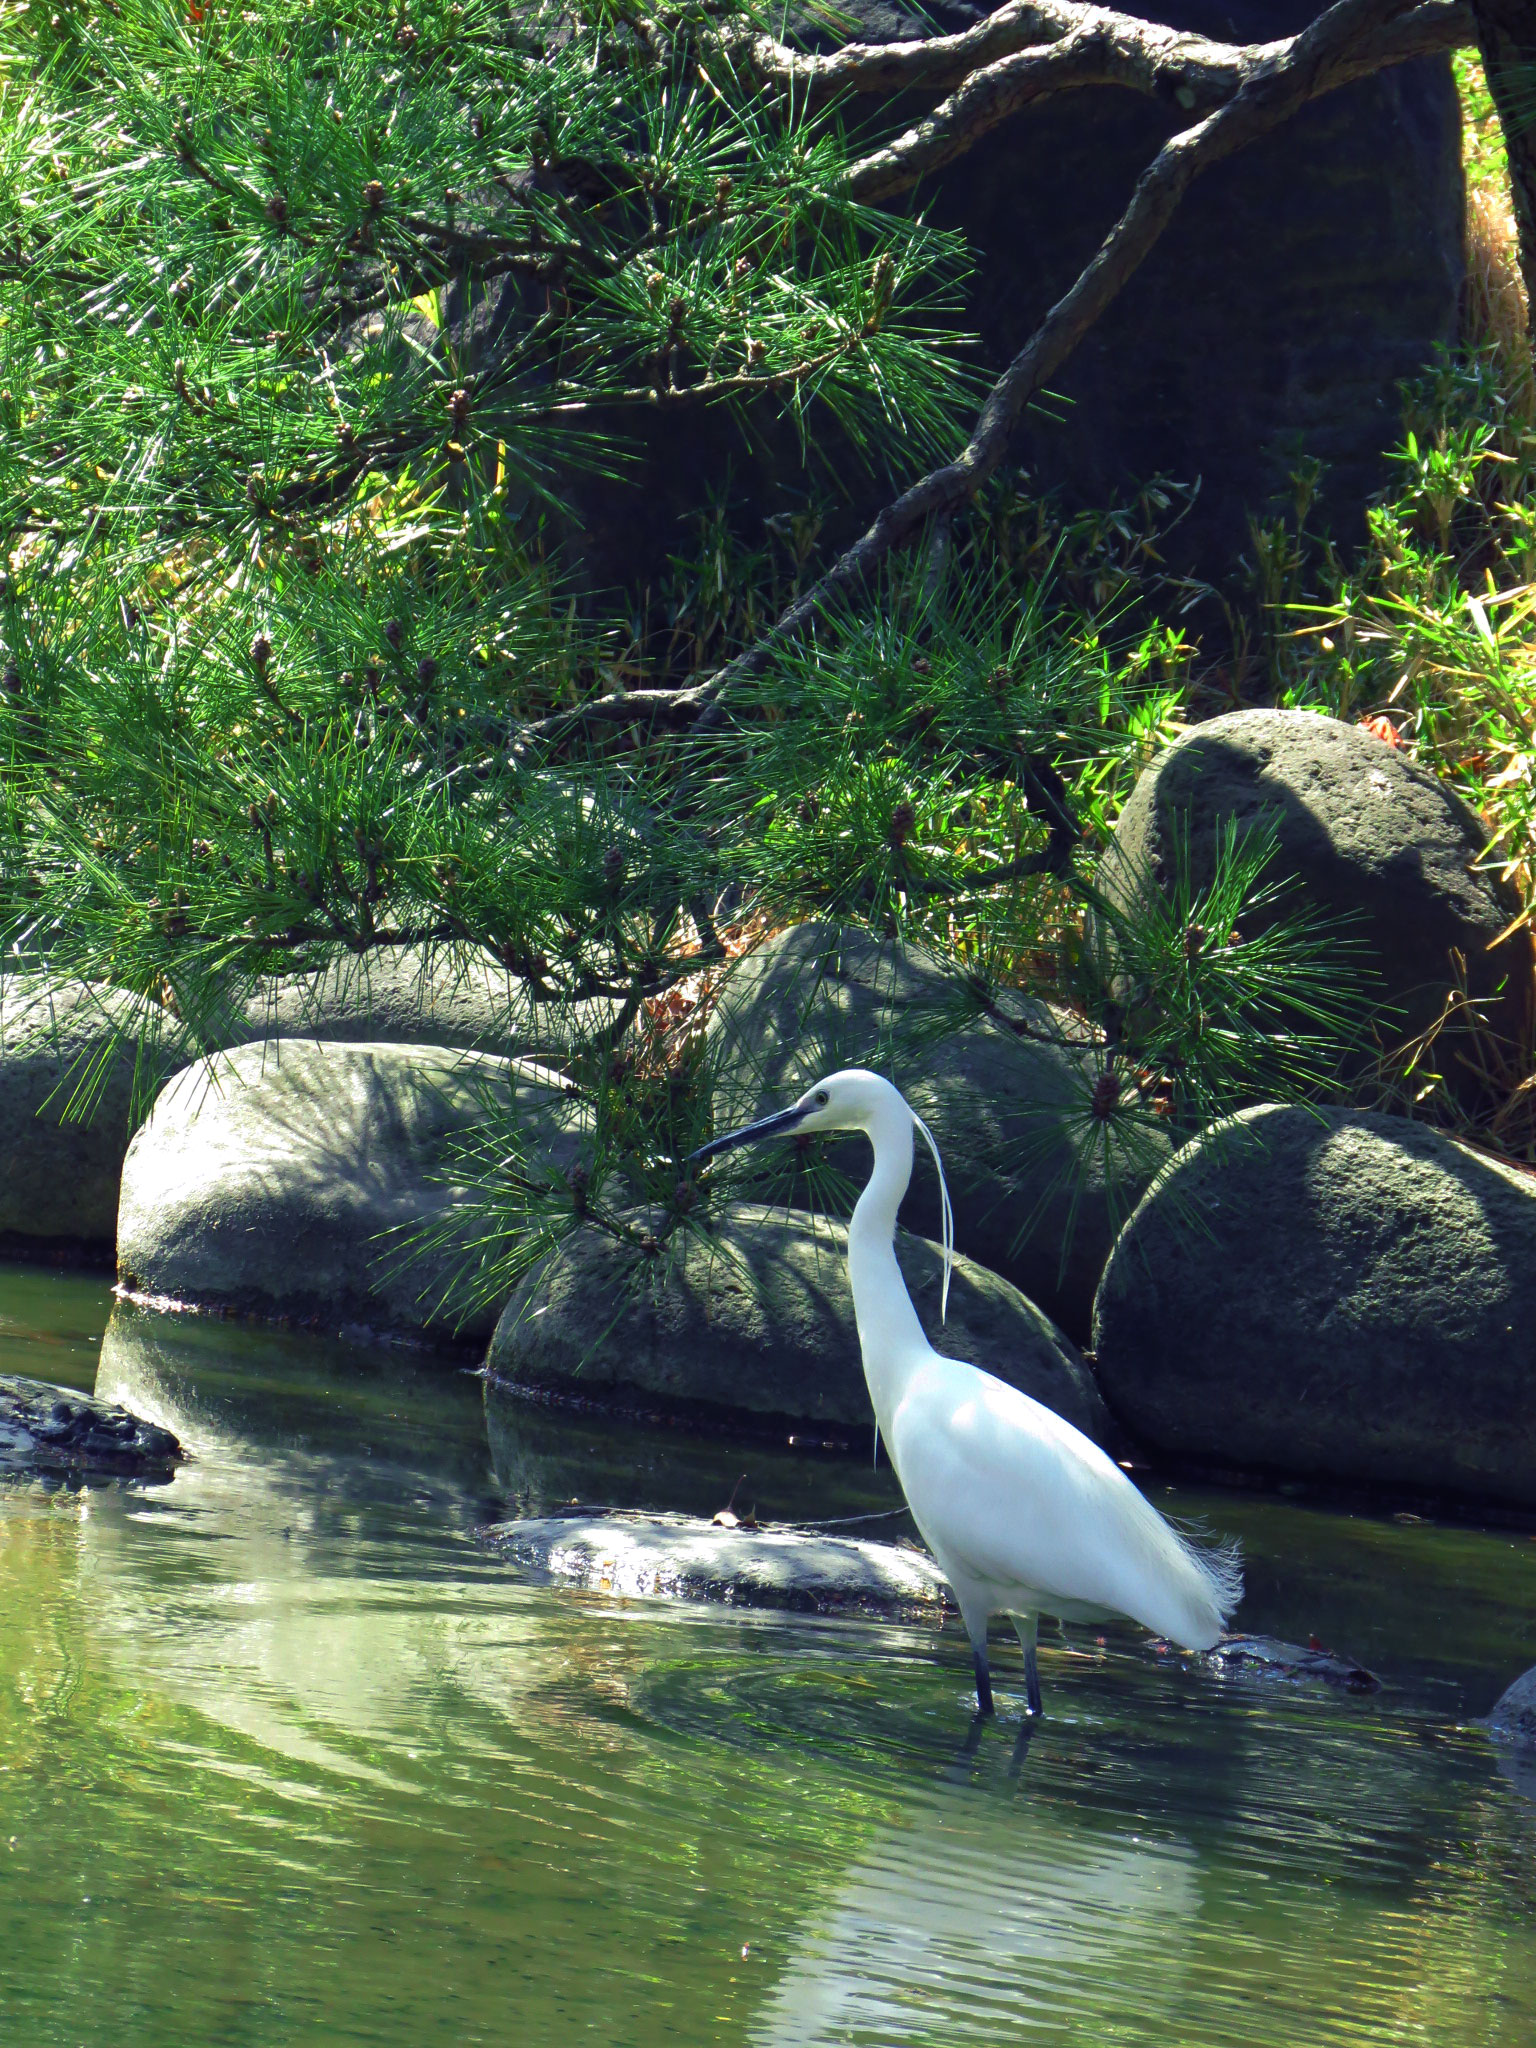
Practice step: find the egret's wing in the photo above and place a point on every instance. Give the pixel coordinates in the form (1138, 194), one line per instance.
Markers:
(1013, 1496)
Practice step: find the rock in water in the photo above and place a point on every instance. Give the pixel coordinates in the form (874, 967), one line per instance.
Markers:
(45, 1429)
(66, 1043)
(1370, 837)
(760, 1319)
(1333, 1294)
(677, 1557)
(1008, 1109)
(291, 1178)
(1513, 1716)
(1267, 1657)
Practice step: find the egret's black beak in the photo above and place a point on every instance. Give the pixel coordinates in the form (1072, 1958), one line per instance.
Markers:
(776, 1125)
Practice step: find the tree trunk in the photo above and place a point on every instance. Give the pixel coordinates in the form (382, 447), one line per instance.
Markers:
(1506, 35)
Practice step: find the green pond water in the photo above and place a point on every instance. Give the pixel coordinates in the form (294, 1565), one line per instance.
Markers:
(286, 1759)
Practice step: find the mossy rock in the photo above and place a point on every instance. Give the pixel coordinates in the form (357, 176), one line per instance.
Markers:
(758, 1319)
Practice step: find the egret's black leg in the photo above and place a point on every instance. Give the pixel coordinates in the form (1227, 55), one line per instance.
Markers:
(1026, 1627)
(1032, 1682)
(984, 1706)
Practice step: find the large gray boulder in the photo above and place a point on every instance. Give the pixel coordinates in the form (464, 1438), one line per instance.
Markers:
(759, 1319)
(678, 1557)
(77, 1072)
(409, 996)
(67, 1089)
(1333, 1294)
(292, 1178)
(1370, 837)
(1009, 1108)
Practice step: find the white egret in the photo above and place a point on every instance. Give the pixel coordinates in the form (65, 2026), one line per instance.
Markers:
(1023, 1513)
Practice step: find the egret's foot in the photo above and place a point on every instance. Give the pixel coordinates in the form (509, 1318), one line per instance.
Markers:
(1032, 1682)
(984, 1707)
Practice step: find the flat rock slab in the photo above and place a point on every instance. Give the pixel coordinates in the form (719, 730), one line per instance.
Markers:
(1267, 1657)
(679, 1557)
(45, 1428)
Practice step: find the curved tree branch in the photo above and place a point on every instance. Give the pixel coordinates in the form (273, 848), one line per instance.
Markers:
(1321, 58)
(1262, 87)
(1111, 49)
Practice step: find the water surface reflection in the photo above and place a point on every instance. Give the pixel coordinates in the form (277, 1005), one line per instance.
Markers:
(286, 1761)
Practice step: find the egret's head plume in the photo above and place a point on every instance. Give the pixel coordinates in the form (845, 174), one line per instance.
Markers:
(946, 1213)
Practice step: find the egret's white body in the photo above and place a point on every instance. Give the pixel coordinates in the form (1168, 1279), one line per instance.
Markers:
(1023, 1513)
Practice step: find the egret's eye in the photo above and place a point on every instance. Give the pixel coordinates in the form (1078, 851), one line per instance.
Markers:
(822, 1098)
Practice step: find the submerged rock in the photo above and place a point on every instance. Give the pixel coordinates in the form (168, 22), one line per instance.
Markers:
(1372, 839)
(45, 1428)
(1267, 1657)
(295, 1179)
(1334, 1294)
(759, 1318)
(677, 1557)
(1512, 1718)
(1008, 1110)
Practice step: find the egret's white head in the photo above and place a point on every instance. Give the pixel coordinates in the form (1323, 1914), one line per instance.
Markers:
(853, 1099)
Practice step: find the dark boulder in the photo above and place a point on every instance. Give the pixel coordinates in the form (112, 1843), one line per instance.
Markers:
(1008, 1109)
(54, 1430)
(1337, 1295)
(1373, 840)
(1297, 285)
(759, 1320)
(67, 1102)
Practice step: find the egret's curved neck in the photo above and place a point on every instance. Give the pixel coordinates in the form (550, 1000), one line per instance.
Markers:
(890, 1336)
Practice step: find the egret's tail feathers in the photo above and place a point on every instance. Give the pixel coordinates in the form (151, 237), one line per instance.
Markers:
(1217, 1572)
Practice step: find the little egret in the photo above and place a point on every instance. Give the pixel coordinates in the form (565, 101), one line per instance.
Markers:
(1023, 1513)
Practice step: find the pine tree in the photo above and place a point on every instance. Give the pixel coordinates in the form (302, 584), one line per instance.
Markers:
(293, 666)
